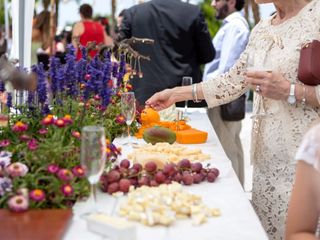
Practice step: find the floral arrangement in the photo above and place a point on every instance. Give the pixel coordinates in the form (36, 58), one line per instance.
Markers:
(40, 142)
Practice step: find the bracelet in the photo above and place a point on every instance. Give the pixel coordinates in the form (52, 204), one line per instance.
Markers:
(303, 100)
(194, 94)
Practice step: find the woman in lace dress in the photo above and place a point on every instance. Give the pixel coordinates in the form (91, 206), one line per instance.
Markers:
(274, 43)
(304, 207)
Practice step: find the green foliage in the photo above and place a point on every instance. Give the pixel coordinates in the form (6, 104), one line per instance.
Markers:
(209, 14)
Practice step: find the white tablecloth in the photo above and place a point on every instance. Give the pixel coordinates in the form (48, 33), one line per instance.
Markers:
(237, 222)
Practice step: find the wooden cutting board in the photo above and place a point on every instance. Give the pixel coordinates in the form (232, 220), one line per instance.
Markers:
(47, 224)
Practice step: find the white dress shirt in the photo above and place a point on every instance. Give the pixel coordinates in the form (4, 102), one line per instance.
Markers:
(229, 42)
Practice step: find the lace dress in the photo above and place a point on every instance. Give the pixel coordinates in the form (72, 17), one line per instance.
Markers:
(275, 137)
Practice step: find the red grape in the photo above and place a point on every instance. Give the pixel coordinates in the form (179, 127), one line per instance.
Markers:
(144, 180)
(113, 176)
(215, 171)
(124, 185)
(196, 167)
(113, 187)
(211, 177)
(197, 178)
(177, 177)
(160, 177)
(125, 163)
(169, 169)
(150, 167)
(184, 164)
(153, 183)
(137, 166)
(187, 179)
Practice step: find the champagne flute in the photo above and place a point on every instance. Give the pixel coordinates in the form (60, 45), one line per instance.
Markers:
(128, 110)
(253, 65)
(93, 157)
(185, 82)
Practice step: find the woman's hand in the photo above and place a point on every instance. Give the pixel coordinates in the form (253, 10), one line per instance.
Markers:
(268, 84)
(161, 100)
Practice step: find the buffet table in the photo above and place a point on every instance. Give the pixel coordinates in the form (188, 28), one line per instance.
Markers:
(237, 221)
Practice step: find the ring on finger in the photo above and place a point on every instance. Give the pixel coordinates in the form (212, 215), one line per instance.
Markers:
(258, 88)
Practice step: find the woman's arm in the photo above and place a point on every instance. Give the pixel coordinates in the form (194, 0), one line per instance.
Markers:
(303, 211)
(77, 31)
(273, 85)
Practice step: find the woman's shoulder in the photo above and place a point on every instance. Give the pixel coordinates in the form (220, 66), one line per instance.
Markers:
(309, 149)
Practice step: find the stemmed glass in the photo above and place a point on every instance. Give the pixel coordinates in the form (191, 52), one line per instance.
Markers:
(128, 110)
(254, 65)
(185, 82)
(93, 157)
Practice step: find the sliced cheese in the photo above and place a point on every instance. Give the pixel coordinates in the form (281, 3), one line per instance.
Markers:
(191, 136)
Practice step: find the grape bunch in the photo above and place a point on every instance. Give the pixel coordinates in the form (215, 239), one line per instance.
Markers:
(123, 176)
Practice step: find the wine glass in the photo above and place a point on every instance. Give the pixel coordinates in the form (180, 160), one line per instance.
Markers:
(128, 110)
(93, 157)
(254, 65)
(186, 81)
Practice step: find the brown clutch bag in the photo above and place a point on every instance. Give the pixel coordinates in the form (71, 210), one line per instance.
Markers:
(309, 64)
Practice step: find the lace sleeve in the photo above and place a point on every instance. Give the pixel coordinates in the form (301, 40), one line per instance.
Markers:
(309, 150)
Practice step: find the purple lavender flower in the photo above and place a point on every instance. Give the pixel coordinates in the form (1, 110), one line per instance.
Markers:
(54, 75)
(9, 100)
(30, 99)
(42, 85)
(70, 73)
(45, 110)
(5, 185)
(2, 87)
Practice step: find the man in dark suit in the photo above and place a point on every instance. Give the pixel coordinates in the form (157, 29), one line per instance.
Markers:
(182, 43)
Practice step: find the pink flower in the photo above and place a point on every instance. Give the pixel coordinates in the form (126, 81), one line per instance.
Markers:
(48, 120)
(18, 203)
(32, 144)
(43, 131)
(4, 143)
(17, 169)
(120, 119)
(53, 168)
(78, 171)
(65, 175)
(60, 123)
(97, 98)
(25, 137)
(37, 195)
(67, 190)
(76, 134)
(19, 127)
(67, 119)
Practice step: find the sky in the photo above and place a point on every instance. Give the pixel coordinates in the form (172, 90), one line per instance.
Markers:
(68, 12)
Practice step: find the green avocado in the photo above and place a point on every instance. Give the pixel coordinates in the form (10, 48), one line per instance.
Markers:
(157, 134)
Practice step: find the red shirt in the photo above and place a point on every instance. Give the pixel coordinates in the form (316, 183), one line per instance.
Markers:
(93, 32)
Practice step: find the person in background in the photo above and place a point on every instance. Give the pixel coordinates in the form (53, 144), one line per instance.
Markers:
(181, 43)
(89, 31)
(229, 42)
(41, 36)
(3, 43)
(283, 107)
(304, 206)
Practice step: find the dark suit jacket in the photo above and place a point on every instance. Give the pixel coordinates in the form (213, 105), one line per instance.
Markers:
(182, 43)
